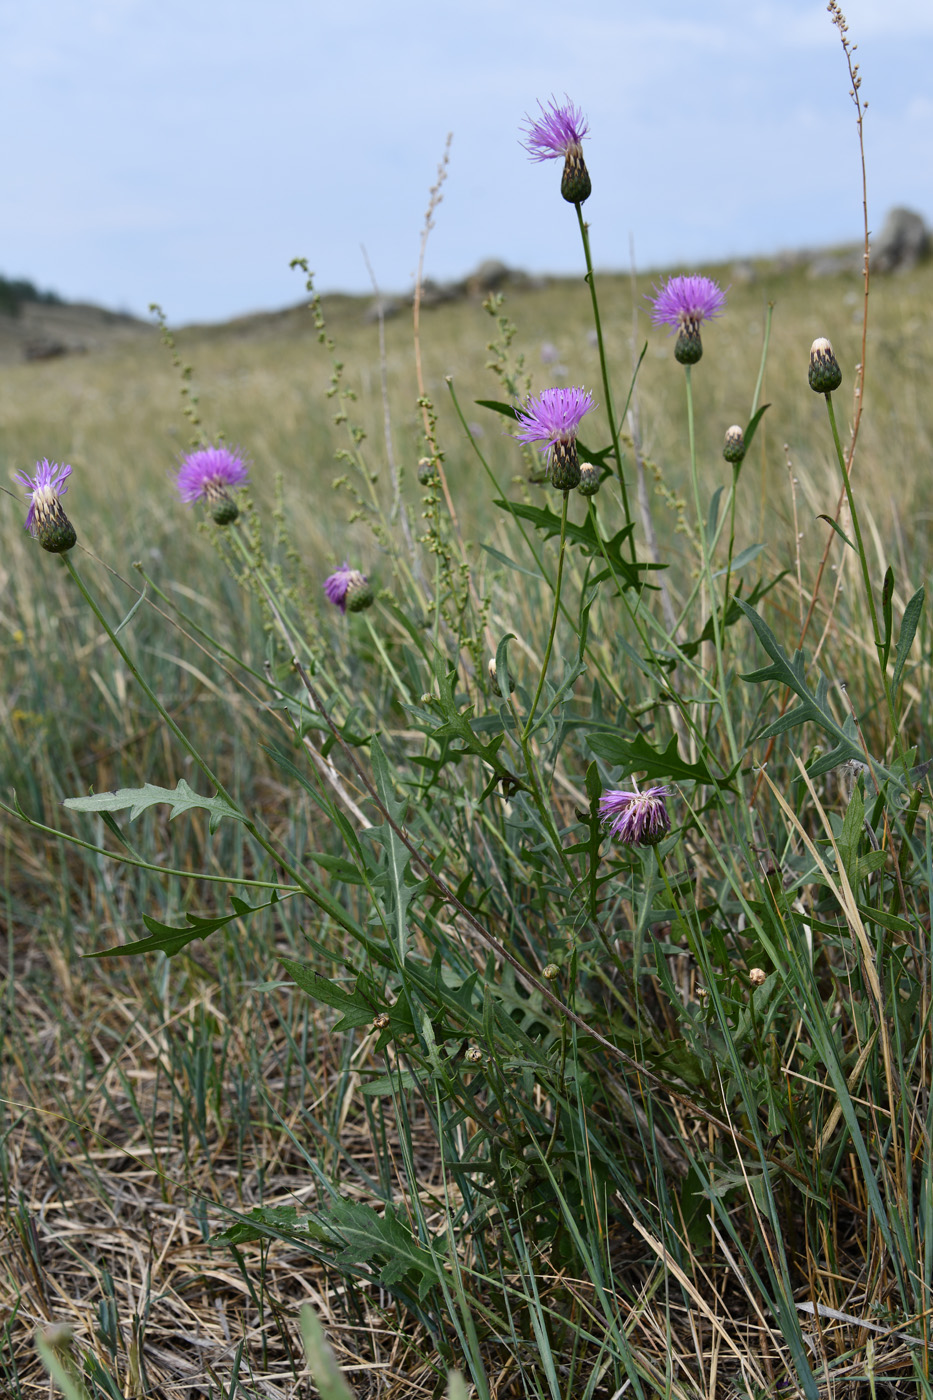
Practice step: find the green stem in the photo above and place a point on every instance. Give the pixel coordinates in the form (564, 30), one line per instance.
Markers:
(866, 580)
(705, 553)
(725, 596)
(604, 368)
(550, 641)
(863, 560)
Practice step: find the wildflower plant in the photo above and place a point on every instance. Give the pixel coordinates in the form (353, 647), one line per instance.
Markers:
(574, 1036)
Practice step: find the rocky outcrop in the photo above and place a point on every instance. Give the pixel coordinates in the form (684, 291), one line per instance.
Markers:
(903, 242)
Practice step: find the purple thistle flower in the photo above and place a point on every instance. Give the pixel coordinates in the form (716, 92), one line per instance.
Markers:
(559, 131)
(636, 818)
(348, 588)
(552, 418)
(684, 303)
(209, 474)
(46, 521)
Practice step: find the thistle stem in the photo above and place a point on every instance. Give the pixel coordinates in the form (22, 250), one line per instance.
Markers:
(550, 641)
(705, 560)
(604, 369)
(866, 580)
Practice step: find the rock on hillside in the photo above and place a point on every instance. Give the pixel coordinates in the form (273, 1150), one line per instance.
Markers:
(43, 330)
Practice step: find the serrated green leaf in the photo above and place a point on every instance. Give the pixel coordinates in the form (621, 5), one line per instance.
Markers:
(167, 939)
(385, 1242)
(385, 1085)
(277, 1221)
(181, 798)
(638, 755)
(584, 535)
(357, 1007)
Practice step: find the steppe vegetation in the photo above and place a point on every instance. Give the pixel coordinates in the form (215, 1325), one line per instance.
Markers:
(486, 1087)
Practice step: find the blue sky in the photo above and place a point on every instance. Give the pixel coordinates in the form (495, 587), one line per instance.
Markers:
(185, 150)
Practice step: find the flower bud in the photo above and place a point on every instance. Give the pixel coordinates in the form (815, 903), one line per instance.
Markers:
(551, 972)
(757, 976)
(381, 1022)
(824, 374)
(733, 449)
(589, 479)
(494, 678)
(474, 1056)
(427, 471)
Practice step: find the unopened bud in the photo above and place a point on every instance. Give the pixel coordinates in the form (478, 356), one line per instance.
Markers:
(757, 976)
(551, 972)
(733, 449)
(494, 678)
(381, 1022)
(427, 470)
(474, 1055)
(824, 374)
(589, 480)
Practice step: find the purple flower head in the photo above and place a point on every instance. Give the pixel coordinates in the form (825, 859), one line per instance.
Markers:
(552, 418)
(348, 588)
(636, 818)
(45, 519)
(558, 130)
(684, 304)
(210, 468)
(686, 300)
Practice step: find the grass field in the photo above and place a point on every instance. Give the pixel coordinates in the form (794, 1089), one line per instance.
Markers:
(550, 1218)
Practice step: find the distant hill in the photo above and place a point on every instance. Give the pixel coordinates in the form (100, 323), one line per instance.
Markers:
(41, 326)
